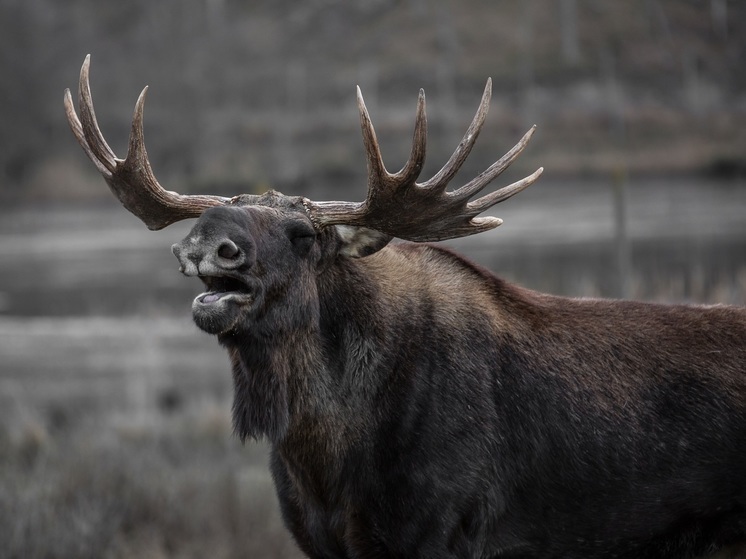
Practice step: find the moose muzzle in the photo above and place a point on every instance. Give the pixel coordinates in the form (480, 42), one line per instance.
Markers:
(219, 262)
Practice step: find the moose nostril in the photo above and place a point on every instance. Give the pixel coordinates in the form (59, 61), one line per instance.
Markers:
(228, 250)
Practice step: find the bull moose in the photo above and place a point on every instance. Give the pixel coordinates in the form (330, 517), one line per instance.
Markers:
(417, 405)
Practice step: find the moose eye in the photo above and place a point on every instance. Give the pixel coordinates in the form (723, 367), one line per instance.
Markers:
(296, 229)
(301, 234)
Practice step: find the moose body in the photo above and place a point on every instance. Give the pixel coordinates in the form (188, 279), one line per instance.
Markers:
(419, 406)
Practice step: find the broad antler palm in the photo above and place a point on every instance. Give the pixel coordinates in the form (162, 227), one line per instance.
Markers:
(396, 204)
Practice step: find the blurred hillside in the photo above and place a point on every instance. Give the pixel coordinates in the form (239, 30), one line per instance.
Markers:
(250, 94)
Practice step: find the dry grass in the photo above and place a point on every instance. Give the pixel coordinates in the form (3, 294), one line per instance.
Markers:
(106, 492)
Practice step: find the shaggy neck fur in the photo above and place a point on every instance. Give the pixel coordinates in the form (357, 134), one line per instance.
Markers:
(288, 366)
(270, 354)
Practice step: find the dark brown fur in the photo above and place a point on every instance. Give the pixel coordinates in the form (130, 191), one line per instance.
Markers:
(419, 406)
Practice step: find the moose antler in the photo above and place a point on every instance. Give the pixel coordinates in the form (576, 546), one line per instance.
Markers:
(401, 207)
(131, 179)
(395, 205)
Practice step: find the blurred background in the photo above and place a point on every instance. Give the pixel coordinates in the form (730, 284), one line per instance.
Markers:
(115, 436)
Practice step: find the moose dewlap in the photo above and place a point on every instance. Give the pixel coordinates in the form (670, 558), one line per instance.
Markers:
(419, 406)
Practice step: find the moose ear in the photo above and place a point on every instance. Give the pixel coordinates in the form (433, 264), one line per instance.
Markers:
(358, 242)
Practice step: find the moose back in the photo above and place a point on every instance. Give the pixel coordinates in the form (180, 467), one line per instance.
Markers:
(419, 406)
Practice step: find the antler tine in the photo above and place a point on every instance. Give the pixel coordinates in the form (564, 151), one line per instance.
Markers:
(136, 144)
(91, 130)
(413, 167)
(376, 169)
(77, 128)
(131, 180)
(493, 171)
(87, 132)
(485, 223)
(443, 177)
(480, 204)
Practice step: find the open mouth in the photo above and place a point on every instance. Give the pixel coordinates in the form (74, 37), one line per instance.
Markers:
(223, 287)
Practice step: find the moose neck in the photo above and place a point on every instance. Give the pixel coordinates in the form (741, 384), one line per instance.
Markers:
(295, 379)
(268, 357)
